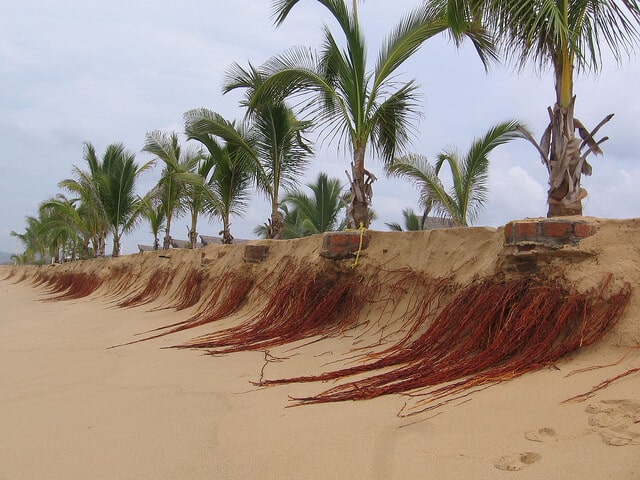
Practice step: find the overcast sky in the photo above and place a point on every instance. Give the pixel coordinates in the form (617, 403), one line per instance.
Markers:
(105, 72)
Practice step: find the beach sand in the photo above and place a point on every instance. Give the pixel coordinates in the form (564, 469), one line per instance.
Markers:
(73, 408)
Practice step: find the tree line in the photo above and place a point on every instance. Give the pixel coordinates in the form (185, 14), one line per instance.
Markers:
(366, 110)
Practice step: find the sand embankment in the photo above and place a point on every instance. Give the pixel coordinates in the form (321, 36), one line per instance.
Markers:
(70, 407)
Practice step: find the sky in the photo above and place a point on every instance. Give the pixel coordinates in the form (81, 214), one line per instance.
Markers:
(109, 72)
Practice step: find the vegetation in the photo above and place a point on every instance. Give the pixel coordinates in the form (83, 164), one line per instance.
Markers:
(319, 212)
(177, 174)
(367, 110)
(469, 174)
(412, 222)
(359, 108)
(233, 165)
(567, 37)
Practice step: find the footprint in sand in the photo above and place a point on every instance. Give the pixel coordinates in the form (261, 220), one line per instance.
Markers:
(516, 461)
(545, 435)
(616, 421)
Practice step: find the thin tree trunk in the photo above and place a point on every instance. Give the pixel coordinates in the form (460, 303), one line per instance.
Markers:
(101, 245)
(227, 238)
(276, 223)
(166, 243)
(116, 243)
(193, 234)
(358, 210)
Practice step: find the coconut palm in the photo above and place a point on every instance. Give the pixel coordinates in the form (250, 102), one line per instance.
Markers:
(282, 150)
(412, 222)
(151, 209)
(319, 212)
(271, 144)
(470, 173)
(232, 165)
(66, 217)
(568, 37)
(32, 240)
(361, 109)
(58, 233)
(178, 172)
(84, 187)
(115, 179)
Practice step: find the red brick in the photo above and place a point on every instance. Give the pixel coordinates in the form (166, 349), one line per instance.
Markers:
(337, 238)
(509, 231)
(526, 230)
(583, 230)
(353, 238)
(556, 229)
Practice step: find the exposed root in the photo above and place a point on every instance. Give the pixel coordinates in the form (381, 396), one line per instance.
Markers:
(156, 284)
(190, 291)
(490, 332)
(604, 384)
(75, 285)
(305, 303)
(227, 296)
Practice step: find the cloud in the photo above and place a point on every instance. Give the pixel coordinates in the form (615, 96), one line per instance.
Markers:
(109, 72)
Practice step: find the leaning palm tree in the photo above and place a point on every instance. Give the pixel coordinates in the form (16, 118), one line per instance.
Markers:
(319, 212)
(569, 37)
(178, 172)
(33, 241)
(359, 108)
(70, 215)
(470, 173)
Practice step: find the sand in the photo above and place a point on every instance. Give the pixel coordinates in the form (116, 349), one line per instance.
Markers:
(70, 407)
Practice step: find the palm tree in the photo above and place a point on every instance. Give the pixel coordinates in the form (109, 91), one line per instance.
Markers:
(151, 209)
(282, 150)
(470, 173)
(271, 145)
(63, 220)
(412, 222)
(91, 208)
(569, 37)
(357, 107)
(318, 213)
(33, 241)
(115, 178)
(178, 172)
(232, 165)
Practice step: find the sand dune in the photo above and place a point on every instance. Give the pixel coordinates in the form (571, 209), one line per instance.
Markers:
(73, 407)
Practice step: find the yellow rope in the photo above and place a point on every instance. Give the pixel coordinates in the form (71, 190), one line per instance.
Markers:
(362, 230)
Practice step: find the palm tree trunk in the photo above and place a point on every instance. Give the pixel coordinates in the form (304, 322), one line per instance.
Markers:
(565, 193)
(101, 245)
(227, 238)
(358, 210)
(166, 243)
(276, 227)
(193, 234)
(116, 243)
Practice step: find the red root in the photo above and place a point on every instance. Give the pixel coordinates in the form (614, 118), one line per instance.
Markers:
(227, 295)
(305, 303)
(488, 332)
(156, 284)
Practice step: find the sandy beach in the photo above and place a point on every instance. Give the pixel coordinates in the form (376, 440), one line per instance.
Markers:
(73, 408)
